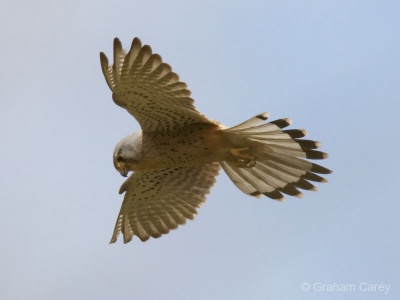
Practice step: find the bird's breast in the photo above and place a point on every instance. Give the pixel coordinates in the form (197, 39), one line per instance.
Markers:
(194, 145)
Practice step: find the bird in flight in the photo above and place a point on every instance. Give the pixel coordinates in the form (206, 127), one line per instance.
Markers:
(176, 157)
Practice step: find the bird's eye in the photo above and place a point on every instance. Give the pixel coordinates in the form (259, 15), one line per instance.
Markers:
(120, 158)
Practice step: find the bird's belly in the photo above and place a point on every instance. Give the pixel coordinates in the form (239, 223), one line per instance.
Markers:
(194, 145)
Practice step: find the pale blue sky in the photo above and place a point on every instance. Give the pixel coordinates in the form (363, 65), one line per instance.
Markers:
(333, 67)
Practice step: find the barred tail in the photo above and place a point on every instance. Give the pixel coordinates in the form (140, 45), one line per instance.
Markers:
(280, 159)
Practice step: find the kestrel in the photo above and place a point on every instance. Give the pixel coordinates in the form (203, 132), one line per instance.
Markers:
(178, 154)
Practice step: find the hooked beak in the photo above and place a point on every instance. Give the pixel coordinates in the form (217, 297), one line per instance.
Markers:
(124, 172)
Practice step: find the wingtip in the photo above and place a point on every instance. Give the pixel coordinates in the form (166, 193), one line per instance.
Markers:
(103, 59)
(127, 239)
(136, 40)
(117, 43)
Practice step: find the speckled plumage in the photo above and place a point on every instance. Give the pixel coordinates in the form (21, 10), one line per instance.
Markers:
(179, 152)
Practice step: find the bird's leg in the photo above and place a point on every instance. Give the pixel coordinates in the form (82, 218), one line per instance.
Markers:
(242, 159)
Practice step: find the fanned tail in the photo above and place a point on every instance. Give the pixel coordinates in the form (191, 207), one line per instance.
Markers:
(279, 159)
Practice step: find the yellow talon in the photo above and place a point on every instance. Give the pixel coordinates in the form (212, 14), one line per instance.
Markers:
(239, 153)
(243, 160)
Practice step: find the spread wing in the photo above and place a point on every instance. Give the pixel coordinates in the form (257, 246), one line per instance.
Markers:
(148, 89)
(157, 201)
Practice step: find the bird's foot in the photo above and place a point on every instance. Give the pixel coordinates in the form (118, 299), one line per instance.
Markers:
(243, 159)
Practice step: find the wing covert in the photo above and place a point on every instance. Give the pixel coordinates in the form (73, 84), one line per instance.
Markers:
(158, 201)
(148, 89)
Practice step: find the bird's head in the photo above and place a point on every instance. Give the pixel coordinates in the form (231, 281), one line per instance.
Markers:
(128, 153)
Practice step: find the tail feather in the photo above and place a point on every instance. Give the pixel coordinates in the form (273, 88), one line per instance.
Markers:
(281, 166)
(254, 121)
(251, 126)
